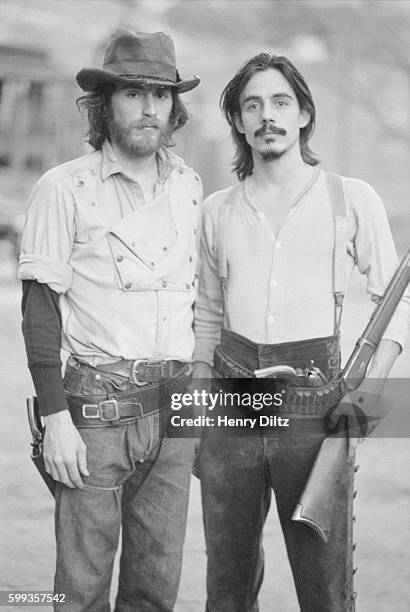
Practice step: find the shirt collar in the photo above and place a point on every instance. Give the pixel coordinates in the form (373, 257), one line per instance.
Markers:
(167, 162)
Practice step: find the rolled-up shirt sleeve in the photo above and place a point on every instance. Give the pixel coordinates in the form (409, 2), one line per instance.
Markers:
(209, 305)
(48, 236)
(377, 258)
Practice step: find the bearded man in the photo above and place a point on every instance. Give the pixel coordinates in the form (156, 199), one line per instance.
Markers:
(108, 261)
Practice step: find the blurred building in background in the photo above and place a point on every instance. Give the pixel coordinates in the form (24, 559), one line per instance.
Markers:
(33, 95)
(352, 53)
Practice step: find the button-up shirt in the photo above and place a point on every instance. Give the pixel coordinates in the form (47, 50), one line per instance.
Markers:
(279, 287)
(125, 268)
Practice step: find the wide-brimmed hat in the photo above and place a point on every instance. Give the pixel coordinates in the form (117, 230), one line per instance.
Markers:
(136, 57)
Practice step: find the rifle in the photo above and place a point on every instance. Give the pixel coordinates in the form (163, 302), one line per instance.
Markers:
(37, 431)
(317, 503)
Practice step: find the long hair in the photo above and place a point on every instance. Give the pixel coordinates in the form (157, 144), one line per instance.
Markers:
(243, 161)
(97, 105)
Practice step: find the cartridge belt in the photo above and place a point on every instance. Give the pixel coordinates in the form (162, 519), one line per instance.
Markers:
(310, 400)
(298, 400)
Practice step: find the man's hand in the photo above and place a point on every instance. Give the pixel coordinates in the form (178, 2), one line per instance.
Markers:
(361, 410)
(64, 451)
(368, 398)
(365, 408)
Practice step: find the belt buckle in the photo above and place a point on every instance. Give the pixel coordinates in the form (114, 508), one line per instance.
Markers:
(112, 410)
(134, 371)
(95, 411)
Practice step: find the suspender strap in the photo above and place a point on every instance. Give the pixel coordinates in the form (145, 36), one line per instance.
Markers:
(338, 204)
(223, 224)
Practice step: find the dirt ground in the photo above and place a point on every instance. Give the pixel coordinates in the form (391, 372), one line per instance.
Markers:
(26, 509)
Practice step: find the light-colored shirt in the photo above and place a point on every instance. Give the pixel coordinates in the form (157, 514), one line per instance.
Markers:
(125, 268)
(279, 287)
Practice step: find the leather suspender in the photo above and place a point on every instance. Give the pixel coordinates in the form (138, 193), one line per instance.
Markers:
(223, 223)
(338, 204)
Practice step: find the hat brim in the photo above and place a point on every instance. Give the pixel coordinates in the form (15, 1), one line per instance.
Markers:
(90, 79)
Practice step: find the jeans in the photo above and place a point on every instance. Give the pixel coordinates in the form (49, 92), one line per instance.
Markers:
(138, 480)
(238, 474)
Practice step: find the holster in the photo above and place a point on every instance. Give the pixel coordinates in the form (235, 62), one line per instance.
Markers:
(37, 431)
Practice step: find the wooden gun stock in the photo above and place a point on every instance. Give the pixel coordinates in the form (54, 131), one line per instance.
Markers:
(317, 503)
(316, 506)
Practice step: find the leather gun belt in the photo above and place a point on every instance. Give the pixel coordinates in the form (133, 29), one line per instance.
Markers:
(297, 400)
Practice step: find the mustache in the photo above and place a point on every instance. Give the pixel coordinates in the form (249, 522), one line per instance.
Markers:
(270, 128)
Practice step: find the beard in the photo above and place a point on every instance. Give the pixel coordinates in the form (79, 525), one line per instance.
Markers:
(271, 154)
(275, 150)
(135, 141)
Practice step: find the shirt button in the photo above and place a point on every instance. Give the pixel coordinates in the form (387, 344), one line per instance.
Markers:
(279, 245)
(190, 259)
(152, 264)
(188, 286)
(195, 232)
(164, 284)
(181, 171)
(194, 202)
(165, 248)
(127, 285)
(120, 257)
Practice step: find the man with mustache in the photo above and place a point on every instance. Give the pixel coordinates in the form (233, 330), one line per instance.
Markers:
(108, 263)
(267, 298)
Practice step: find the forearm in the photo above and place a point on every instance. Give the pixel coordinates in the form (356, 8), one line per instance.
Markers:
(207, 335)
(384, 358)
(42, 335)
(208, 315)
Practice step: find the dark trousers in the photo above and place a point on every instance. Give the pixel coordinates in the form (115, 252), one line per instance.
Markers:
(238, 474)
(139, 481)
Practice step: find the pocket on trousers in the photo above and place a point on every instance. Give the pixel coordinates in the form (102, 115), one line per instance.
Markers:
(107, 456)
(88, 381)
